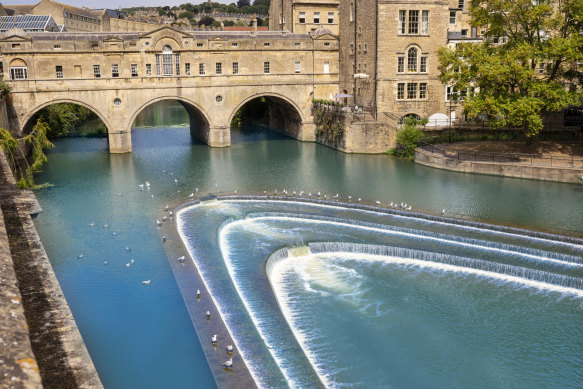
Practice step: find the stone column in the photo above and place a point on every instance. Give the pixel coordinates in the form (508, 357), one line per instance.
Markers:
(219, 136)
(120, 141)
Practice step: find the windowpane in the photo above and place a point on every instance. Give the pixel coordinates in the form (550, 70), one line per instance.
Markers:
(219, 68)
(461, 4)
(411, 91)
(302, 17)
(19, 73)
(423, 90)
(115, 70)
(235, 67)
(201, 69)
(412, 60)
(451, 17)
(134, 69)
(148, 69)
(400, 64)
(316, 17)
(330, 17)
(96, 71)
(298, 67)
(400, 91)
(266, 67)
(187, 69)
(425, 22)
(423, 65)
(157, 64)
(413, 22)
(402, 21)
(59, 71)
(326, 67)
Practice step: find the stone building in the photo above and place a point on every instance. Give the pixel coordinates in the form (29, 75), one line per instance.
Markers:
(388, 52)
(304, 16)
(75, 19)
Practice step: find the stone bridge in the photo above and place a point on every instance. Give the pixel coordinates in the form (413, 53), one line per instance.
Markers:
(212, 74)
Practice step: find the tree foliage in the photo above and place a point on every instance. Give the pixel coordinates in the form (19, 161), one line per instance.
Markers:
(62, 118)
(408, 138)
(526, 65)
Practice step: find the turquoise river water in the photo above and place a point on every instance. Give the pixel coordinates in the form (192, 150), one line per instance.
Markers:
(362, 298)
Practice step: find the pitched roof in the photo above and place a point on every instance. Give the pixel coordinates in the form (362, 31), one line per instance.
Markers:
(28, 23)
(19, 9)
(76, 10)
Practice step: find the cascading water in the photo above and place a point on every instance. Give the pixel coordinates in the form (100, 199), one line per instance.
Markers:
(319, 294)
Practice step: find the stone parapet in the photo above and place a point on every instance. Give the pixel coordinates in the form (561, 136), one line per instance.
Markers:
(507, 169)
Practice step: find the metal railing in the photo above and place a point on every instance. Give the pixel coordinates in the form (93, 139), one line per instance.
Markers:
(517, 159)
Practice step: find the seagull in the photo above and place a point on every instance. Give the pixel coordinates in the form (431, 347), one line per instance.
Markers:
(310, 194)
(164, 238)
(128, 264)
(166, 207)
(147, 184)
(119, 194)
(163, 171)
(128, 249)
(409, 208)
(132, 261)
(196, 189)
(147, 282)
(105, 262)
(318, 194)
(214, 339)
(349, 198)
(336, 196)
(105, 225)
(114, 233)
(391, 204)
(181, 259)
(198, 293)
(152, 196)
(230, 348)
(80, 256)
(264, 192)
(359, 199)
(175, 181)
(378, 202)
(170, 213)
(164, 218)
(141, 186)
(443, 211)
(228, 363)
(191, 195)
(208, 315)
(294, 192)
(91, 224)
(158, 223)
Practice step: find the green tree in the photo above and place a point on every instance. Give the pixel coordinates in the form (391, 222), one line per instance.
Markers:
(227, 23)
(525, 66)
(408, 137)
(206, 20)
(185, 15)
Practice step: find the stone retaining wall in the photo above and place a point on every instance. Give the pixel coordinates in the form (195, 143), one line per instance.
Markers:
(569, 175)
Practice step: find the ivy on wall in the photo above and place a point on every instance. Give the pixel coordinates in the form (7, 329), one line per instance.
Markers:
(329, 119)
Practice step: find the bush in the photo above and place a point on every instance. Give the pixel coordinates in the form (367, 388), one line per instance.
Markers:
(408, 139)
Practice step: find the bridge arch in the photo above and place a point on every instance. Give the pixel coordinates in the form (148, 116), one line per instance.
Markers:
(199, 118)
(30, 114)
(284, 114)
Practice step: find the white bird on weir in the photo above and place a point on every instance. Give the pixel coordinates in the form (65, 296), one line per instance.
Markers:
(228, 363)
(147, 184)
(208, 314)
(181, 259)
(158, 223)
(214, 339)
(141, 186)
(166, 207)
(191, 195)
(230, 348)
(198, 293)
(147, 282)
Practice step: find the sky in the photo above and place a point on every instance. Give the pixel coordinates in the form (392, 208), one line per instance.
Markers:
(114, 4)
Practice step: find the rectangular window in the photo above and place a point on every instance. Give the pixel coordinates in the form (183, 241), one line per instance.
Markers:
(425, 22)
(198, 44)
(451, 17)
(461, 4)
(297, 44)
(330, 17)
(187, 69)
(234, 44)
(96, 71)
(115, 70)
(464, 33)
(297, 67)
(177, 63)
(134, 68)
(366, 48)
(423, 65)
(266, 69)
(266, 44)
(157, 64)
(400, 64)
(400, 91)
(316, 17)
(423, 90)
(351, 48)
(450, 93)
(412, 61)
(19, 73)
(302, 17)
(413, 22)
(219, 68)
(326, 67)
(411, 91)
(402, 21)
(201, 69)
(235, 67)
(59, 71)
(148, 69)
(56, 47)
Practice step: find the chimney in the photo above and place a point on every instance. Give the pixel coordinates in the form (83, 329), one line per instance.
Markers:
(254, 24)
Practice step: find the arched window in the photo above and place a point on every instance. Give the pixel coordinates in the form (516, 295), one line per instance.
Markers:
(18, 69)
(412, 60)
(167, 63)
